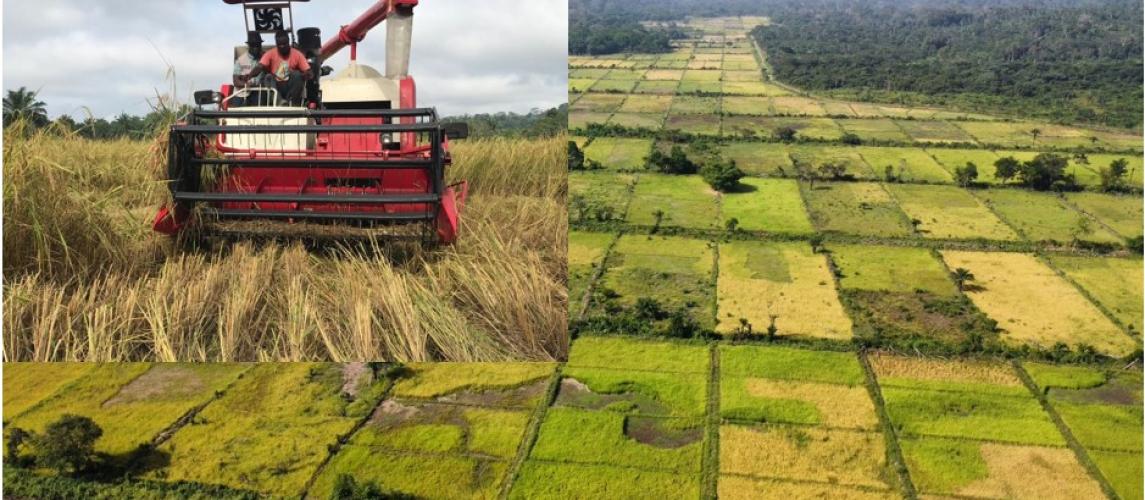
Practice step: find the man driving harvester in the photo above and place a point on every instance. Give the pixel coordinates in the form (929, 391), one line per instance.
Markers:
(288, 66)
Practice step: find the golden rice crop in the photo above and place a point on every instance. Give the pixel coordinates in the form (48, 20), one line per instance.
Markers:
(838, 405)
(85, 279)
(972, 371)
(804, 453)
(1032, 472)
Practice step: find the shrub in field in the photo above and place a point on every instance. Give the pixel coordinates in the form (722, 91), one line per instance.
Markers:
(722, 176)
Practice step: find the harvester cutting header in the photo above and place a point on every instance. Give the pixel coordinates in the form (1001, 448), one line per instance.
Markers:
(284, 143)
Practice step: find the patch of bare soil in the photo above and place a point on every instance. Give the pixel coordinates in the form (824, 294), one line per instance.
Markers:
(659, 432)
(1117, 391)
(524, 395)
(354, 376)
(575, 393)
(162, 380)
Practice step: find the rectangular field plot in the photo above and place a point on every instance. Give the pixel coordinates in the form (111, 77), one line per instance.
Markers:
(879, 129)
(1022, 134)
(812, 454)
(577, 85)
(977, 376)
(797, 106)
(622, 353)
(747, 105)
(789, 363)
(609, 438)
(982, 159)
(419, 475)
(974, 469)
(949, 212)
(814, 156)
(934, 131)
(598, 196)
(132, 402)
(585, 253)
(701, 75)
(30, 383)
(856, 208)
(753, 88)
(598, 103)
(619, 154)
(280, 418)
(866, 110)
(817, 128)
(698, 87)
(839, 109)
(747, 488)
(646, 393)
(1135, 164)
(1113, 282)
(620, 86)
(664, 74)
(581, 119)
(890, 269)
(1043, 217)
(808, 403)
(1122, 470)
(742, 75)
(461, 382)
(784, 280)
(588, 73)
(704, 124)
(1122, 213)
(1034, 305)
(646, 104)
(662, 87)
(651, 121)
(676, 272)
(673, 201)
(624, 74)
(558, 481)
(692, 105)
(759, 158)
(909, 164)
(971, 415)
(769, 205)
(1102, 407)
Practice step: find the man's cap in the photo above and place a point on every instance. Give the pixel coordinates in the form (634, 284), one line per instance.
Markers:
(253, 37)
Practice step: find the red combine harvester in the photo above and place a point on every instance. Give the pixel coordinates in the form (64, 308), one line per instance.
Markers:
(356, 151)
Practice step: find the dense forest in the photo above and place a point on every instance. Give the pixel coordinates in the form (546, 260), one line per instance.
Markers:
(1063, 61)
(536, 123)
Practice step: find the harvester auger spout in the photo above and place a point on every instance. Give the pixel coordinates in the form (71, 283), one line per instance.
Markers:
(356, 150)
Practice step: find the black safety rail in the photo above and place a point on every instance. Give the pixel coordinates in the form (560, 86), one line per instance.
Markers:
(190, 140)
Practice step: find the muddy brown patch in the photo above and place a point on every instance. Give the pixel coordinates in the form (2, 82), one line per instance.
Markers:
(525, 395)
(662, 432)
(161, 381)
(354, 376)
(1121, 390)
(575, 393)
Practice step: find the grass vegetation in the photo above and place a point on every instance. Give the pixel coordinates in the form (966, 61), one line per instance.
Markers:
(30, 383)
(586, 254)
(674, 271)
(599, 437)
(618, 153)
(553, 480)
(638, 392)
(890, 269)
(1122, 213)
(1122, 470)
(673, 201)
(768, 205)
(947, 212)
(787, 363)
(856, 208)
(636, 354)
(973, 415)
(440, 476)
(433, 380)
(1042, 217)
(1114, 283)
(809, 403)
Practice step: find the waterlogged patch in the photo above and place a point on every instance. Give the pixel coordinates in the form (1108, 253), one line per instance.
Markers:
(574, 393)
(525, 395)
(663, 432)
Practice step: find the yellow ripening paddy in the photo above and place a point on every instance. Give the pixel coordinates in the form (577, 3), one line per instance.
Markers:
(1031, 472)
(845, 457)
(893, 367)
(838, 405)
(758, 280)
(1034, 305)
(746, 488)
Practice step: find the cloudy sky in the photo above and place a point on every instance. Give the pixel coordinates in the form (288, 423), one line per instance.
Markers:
(112, 56)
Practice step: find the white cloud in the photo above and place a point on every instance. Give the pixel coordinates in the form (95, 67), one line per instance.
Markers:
(108, 56)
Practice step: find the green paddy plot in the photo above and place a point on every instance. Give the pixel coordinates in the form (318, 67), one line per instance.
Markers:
(765, 126)
(788, 363)
(879, 129)
(581, 119)
(598, 103)
(585, 254)
(580, 84)
(619, 153)
(971, 415)
(692, 105)
(573, 435)
(1122, 213)
(952, 159)
(1026, 134)
(652, 121)
(841, 109)
(1122, 470)
(1035, 306)
(661, 87)
(646, 104)
(759, 158)
(813, 157)
(598, 196)
(621, 353)
(949, 212)
(132, 402)
(747, 105)
(271, 430)
(973, 469)
(673, 201)
(698, 86)
(663, 394)
(802, 453)
(909, 164)
(781, 282)
(558, 481)
(432, 476)
(1102, 407)
(31, 383)
(1115, 283)
(620, 86)
(588, 73)
(934, 131)
(856, 208)
(1043, 217)
(703, 124)
(890, 269)
(676, 272)
(768, 205)
(430, 381)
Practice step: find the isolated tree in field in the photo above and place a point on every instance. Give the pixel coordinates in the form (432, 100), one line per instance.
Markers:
(816, 242)
(1006, 168)
(723, 176)
(851, 139)
(785, 134)
(659, 216)
(22, 104)
(68, 444)
(889, 174)
(1081, 158)
(966, 174)
(1035, 133)
(1113, 176)
(576, 157)
(1046, 171)
(835, 171)
(731, 225)
(961, 276)
(675, 162)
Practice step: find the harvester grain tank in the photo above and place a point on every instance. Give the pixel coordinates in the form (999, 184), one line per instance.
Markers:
(355, 151)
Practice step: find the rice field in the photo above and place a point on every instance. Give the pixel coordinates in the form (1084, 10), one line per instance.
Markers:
(856, 208)
(1043, 217)
(586, 253)
(811, 454)
(1116, 284)
(947, 212)
(673, 201)
(890, 269)
(619, 154)
(761, 159)
(768, 205)
(1122, 214)
(909, 164)
(677, 272)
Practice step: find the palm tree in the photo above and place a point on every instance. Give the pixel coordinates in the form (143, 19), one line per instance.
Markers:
(22, 104)
(960, 277)
(1035, 132)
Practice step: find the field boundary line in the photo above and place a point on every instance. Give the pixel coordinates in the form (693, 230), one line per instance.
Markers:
(341, 442)
(990, 206)
(428, 454)
(586, 301)
(797, 425)
(638, 468)
(532, 430)
(794, 480)
(710, 461)
(1070, 439)
(905, 216)
(169, 431)
(890, 434)
(1088, 296)
(1065, 201)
